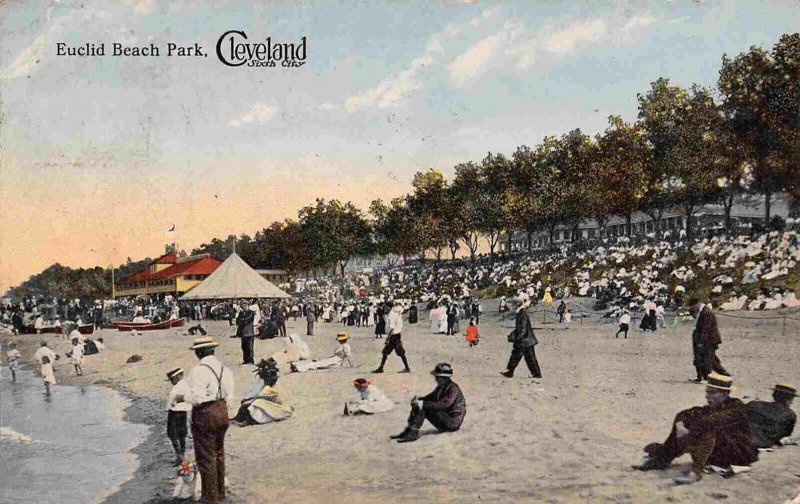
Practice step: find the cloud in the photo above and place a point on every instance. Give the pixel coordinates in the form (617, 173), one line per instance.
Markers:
(565, 41)
(27, 59)
(259, 113)
(397, 88)
(480, 56)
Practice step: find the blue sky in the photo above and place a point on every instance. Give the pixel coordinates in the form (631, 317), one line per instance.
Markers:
(390, 88)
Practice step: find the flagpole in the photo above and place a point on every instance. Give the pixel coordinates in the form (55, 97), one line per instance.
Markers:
(112, 282)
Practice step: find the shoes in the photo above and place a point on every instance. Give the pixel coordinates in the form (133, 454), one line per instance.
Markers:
(653, 449)
(537, 376)
(379, 370)
(406, 370)
(410, 437)
(652, 464)
(402, 434)
(507, 374)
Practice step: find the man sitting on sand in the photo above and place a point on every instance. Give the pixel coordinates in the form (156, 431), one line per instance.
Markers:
(341, 354)
(268, 405)
(444, 408)
(370, 400)
(717, 434)
(772, 423)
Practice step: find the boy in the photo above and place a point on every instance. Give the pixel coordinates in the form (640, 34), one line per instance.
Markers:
(77, 355)
(176, 414)
(13, 356)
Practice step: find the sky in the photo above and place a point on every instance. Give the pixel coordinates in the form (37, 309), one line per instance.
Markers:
(100, 156)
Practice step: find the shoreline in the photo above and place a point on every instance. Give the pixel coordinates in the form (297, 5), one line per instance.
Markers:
(145, 483)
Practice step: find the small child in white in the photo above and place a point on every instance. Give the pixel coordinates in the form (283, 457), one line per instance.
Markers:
(76, 355)
(13, 356)
(187, 484)
(568, 316)
(47, 373)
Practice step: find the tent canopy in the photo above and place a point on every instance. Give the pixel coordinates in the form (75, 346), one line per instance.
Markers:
(234, 279)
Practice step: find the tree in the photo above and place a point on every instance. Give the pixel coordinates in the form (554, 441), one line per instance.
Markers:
(426, 205)
(762, 99)
(495, 179)
(334, 232)
(464, 195)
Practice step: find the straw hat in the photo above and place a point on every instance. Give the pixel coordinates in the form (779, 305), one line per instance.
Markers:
(718, 381)
(206, 342)
(786, 389)
(342, 336)
(362, 382)
(175, 372)
(443, 369)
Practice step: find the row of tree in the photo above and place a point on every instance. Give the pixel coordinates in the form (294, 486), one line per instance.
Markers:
(687, 148)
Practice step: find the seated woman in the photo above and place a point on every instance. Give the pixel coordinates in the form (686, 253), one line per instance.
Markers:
(267, 405)
(296, 350)
(369, 400)
(341, 354)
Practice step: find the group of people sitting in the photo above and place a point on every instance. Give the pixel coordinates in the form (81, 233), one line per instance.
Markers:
(724, 437)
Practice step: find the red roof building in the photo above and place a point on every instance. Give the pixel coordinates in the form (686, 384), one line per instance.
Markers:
(167, 274)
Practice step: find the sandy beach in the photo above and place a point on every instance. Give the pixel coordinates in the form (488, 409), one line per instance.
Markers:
(566, 438)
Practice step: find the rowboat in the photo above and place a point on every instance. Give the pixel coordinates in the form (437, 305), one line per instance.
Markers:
(84, 329)
(149, 326)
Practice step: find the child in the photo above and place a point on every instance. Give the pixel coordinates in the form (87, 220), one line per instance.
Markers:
(47, 373)
(472, 333)
(624, 321)
(568, 316)
(176, 414)
(187, 484)
(76, 355)
(13, 356)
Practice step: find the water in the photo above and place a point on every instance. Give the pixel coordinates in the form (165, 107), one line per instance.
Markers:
(77, 446)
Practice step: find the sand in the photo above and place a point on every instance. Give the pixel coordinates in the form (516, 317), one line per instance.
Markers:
(569, 437)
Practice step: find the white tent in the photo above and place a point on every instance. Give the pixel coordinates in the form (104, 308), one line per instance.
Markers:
(234, 279)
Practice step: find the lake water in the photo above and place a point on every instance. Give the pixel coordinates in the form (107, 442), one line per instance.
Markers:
(71, 447)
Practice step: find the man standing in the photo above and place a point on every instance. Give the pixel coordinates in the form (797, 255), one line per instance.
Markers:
(524, 341)
(717, 434)
(452, 312)
(210, 386)
(705, 341)
(279, 315)
(311, 317)
(561, 310)
(393, 341)
(444, 408)
(772, 422)
(244, 330)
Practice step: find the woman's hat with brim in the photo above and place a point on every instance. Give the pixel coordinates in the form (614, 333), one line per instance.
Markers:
(206, 342)
(443, 369)
(719, 382)
(786, 389)
(362, 382)
(174, 373)
(265, 363)
(342, 336)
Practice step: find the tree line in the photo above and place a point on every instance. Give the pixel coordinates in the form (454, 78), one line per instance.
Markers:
(688, 147)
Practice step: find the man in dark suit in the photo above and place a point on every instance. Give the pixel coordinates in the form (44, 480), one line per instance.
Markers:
(772, 422)
(524, 342)
(244, 330)
(705, 341)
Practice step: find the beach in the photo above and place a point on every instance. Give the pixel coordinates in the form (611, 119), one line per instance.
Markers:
(568, 437)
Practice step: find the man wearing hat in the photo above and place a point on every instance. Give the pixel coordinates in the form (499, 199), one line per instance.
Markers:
(524, 341)
(717, 434)
(176, 414)
(705, 341)
(444, 408)
(393, 341)
(266, 404)
(210, 387)
(772, 422)
(244, 330)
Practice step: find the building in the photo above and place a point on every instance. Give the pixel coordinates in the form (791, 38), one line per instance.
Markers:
(167, 274)
(277, 276)
(744, 214)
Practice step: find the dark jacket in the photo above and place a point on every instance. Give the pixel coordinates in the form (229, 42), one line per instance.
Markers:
(522, 336)
(448, 401)
(770, 422)
(706, 333)
(244, 323)
(310, 315)
(730, 423)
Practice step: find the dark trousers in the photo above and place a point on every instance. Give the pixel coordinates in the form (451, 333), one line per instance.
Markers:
(451, 321)
(282, 328)
(707, 362)
(209, 425)
(517, 353)
(393, 344)
(439, 419)
(309, 328)
(176, 431)
(247, 349)
(623, 328)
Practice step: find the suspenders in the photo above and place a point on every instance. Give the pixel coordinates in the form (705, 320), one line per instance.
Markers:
(219, 379)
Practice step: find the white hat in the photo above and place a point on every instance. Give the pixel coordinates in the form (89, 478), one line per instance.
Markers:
(206, 342)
